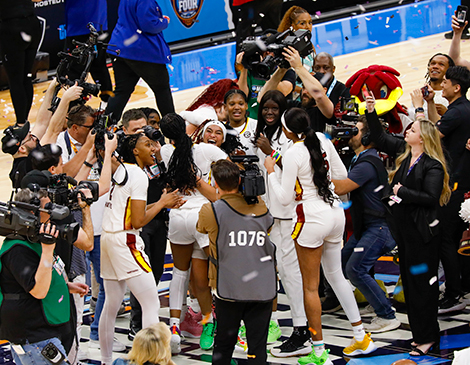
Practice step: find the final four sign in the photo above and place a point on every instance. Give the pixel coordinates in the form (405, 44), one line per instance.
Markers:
(187, 11)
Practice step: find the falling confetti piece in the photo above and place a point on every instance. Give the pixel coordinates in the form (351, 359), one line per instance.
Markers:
(61, 298)
(432, 280)
(367, 18)
(171, 67)
(362, 8)
(26, 37)
(419, 269)
(345, 67)
(318, 13)
(358, 249)
(392, 16)
(103, 36)
(329, 42)
(387, 26)
(387, 20)
(434, 223)
(378, 188)
(375, 43)
(345, 205)
(312, 330)
(250, 276)
(131, 40)
(346, 38)
(266, 258)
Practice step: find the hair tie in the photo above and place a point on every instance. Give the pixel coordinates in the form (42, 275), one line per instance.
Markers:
(283, 122)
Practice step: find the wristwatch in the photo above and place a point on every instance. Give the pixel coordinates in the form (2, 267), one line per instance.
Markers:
(419, 110)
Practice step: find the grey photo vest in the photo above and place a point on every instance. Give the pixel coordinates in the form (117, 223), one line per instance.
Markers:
(245, 255)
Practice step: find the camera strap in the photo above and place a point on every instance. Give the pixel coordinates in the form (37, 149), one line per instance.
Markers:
(69, 144)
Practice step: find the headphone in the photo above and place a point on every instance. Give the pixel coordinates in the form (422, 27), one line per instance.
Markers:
(365, 140)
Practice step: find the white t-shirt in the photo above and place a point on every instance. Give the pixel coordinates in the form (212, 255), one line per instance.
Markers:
(203, 155)
(297, 177)
(117, 210)
(246, 132)
(97, 208)
(438, 99)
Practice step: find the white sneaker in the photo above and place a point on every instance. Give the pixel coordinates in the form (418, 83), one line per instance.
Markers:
(117, 346)
(368, 311)
(379, 324)
(175, 342)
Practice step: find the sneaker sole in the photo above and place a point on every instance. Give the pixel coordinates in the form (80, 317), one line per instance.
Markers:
(370, 348)
(299, 352)
(455, 308)
(189, 334)
(327, 362)
(175, 346)
(390, 327)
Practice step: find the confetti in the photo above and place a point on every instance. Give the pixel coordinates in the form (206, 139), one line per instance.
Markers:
(131, 40)
(346, 38)
(345, 67)
(61, 298)
(419, 269)
(250, 276)
(26, 37)
(312, 330)
(318, 13)
(358, 249)
(375, 43)
(387, 26)
(266, 258)
(378, 188)
(329, 42)
(171, 67)
(367, 18)
(434, 223)
(387, 20)
(103, 36)
(261, 15)
(432, 280)
(362, 8)
(345, 205)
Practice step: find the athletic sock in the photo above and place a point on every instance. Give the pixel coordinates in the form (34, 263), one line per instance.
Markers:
(359, 333)
(174, 322)
(318, 347)
(274, 317)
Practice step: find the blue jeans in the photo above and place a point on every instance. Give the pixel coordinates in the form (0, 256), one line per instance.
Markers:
(94, 256)
(375, 241)
(33, 356)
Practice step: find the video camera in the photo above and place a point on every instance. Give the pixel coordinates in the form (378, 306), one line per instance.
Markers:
(346, 119)
(251, 179)
(60, 193)
(22, 220)
(83, 55)
(254, 49)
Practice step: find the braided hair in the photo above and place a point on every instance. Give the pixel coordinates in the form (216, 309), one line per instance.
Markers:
(298, 121)
(181, 171)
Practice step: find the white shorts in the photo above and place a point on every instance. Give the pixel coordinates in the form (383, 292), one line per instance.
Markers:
(326, 225)
(182, 228)
(123, 256)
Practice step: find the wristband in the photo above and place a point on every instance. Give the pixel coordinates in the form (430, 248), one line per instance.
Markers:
(87, 164)
(419, 110)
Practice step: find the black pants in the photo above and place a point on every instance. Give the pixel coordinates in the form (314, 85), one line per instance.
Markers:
(419, 263)
(18, 54)
(154, 235)
(127, 73)
(256, 316)
(98, 69)
(452, 227)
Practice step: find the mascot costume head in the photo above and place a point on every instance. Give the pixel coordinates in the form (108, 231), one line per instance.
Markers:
(382, 81)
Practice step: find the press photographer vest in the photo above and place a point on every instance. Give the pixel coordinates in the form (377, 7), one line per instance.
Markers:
(245, 255)
(56, 304)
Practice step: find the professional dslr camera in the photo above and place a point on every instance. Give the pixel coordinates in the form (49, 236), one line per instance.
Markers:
(251, 178)
(22, 220)
(101, 126)
(346, 119)
(61, 194)
(83, 55)
(254, 49)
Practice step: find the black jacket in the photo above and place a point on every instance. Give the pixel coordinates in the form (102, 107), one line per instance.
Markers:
(421, 189)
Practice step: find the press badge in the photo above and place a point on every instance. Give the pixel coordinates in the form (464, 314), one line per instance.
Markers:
(153, 171)
(18, 349)
(59, 266)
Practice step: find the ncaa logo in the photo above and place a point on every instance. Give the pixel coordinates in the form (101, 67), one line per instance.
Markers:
(187, 11)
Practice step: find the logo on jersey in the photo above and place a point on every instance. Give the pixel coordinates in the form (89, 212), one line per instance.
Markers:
(247, 134)
(187, 11)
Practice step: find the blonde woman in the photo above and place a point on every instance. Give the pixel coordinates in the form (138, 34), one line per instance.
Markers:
(420, 186)
(151, 346)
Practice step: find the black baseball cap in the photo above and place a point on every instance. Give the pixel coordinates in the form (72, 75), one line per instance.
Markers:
(13, 136)
(41, 178)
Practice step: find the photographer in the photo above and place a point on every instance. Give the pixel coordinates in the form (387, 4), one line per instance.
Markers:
(36, 306)
(372, 237)
(236, 298)
(251, 86)
(20, 141)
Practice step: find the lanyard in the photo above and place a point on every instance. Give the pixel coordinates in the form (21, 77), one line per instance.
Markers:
(330, 89)
(417, 160)
(69, 144)
(354, 159)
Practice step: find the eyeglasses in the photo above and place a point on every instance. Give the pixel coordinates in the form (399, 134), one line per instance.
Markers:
(29, 137)
(87, 126)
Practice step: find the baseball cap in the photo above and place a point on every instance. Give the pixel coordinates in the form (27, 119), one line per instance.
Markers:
(38, 177)
(13, 136)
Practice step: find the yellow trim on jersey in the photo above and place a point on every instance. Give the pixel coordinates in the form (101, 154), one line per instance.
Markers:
(298, 190)
(140, 259)
(127, 215)
(297, 229)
